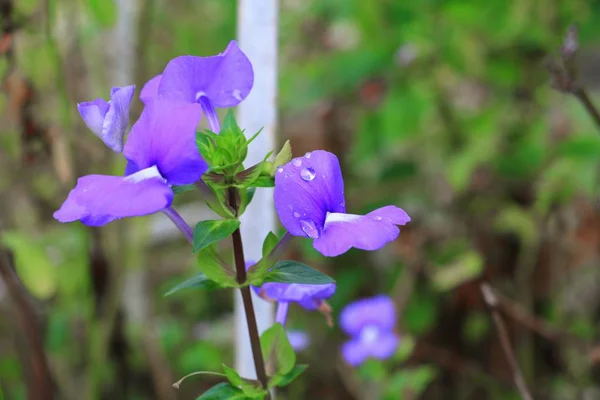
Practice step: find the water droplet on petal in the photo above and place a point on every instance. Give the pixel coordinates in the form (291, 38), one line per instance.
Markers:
(377, 218)
(296, 214)
(280, 169)
(297, 162)
(307, 174)
(307, 155)
(310, 228)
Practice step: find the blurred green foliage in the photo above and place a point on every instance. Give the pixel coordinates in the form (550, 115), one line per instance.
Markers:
(444, 108)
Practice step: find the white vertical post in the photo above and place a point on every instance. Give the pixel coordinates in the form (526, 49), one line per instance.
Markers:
(257, 37)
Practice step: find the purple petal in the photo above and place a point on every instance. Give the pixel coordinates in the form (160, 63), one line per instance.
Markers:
(372, 342)
(150, 89)
(354, 352)
(306, 189)
(226, 79)
(369, 232)
(93, 113)
(117, 117)
(308, 296)
(298, 339)
(165, 136)
(100, 199)
(376, 311)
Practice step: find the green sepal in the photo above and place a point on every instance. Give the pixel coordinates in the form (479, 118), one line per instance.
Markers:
(199, 281)
(215, 268)
(212, 231)
(282, 380)
(233, 376)
(269, 244)
(246, 196)
(177, 189)
(283, 157)
(275, 345)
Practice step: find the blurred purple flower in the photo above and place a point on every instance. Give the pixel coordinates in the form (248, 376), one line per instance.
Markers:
(219, 81)
(370, 322)
(161, 151)
(310, 297)
(298, 339)
(309, 198)
(109, 119)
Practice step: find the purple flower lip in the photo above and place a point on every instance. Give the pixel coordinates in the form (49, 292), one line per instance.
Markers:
(109, 120)
(309, 199)
(370, 323)
(160, 150)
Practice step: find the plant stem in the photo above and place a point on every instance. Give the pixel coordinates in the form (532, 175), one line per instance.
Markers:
(180, 223)
(582, 95)
(240, 267)
(492, 301)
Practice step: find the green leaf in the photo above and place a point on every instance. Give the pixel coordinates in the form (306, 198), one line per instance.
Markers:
(105, 12)
(233, 376)
(410, 382)
(199, 281)
(274, 343)
(206, 145)
(466, 267)
(209, 232)
(223, 391)
(183, 188)
(283, 157)
(32, 264)
(280, 380)
(295, 272)
(213, 266)
(230, 125)
(269, 244)
(264, 181)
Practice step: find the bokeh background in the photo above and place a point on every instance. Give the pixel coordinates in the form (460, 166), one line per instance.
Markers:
(442, 107)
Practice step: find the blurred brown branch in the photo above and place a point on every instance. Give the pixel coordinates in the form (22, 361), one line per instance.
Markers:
(41, 386)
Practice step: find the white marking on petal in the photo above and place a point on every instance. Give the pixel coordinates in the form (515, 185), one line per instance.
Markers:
(199, 94)
(340, 217)
(237, 94)
(369, 334)
(145, 174)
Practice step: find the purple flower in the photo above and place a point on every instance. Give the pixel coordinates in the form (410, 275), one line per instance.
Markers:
(370, 323)
(161, 151)
(109, 120)
(298, 339)
(218, 81)
(309, 198)
(310, 297)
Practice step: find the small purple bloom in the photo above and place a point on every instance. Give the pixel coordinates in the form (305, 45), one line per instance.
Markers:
(309, 198)
(298, 339)
(109, 120)
(310, 297)
(218, 81)
(370, 322)
(161, 151)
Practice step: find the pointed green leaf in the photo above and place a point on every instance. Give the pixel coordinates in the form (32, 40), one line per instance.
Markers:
(264, 182)
(230, 125)
(283, 157)
(199, 281)
(223, 391)
(253, 137)
(269, 244)
(215, 269)
(282, 380)
(206, 146)
(275, 344)
(209, 232)
(233, 376)
(295, 272)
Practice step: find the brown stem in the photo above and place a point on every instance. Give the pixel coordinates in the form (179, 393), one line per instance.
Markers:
(41, 386)
(240, 267)
(582, 95)
(490, 299)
